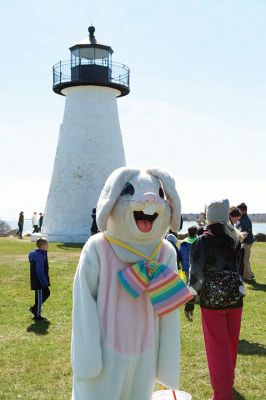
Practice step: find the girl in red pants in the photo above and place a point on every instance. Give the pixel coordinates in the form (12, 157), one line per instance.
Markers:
(215, 278)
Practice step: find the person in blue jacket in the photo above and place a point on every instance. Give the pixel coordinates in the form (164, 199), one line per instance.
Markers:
(39, 276)
(185, 247)
(245, 226)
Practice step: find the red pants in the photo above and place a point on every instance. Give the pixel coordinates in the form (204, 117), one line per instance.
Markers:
(221, 330)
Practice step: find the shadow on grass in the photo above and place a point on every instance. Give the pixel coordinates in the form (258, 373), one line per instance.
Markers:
(257, 286)
(69, 246)
(39, 327)
(249, 348)
(237, 395)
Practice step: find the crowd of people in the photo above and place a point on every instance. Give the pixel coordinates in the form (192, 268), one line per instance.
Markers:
(238, 218)
(37, 222)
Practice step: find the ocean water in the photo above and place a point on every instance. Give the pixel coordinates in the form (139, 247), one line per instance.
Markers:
(257, 227)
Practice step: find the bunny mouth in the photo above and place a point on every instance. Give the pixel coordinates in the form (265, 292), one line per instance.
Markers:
(144, 221)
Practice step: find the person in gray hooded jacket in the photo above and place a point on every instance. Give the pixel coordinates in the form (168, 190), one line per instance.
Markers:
(215, 278)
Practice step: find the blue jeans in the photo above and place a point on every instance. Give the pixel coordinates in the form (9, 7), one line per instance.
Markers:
(20, 230)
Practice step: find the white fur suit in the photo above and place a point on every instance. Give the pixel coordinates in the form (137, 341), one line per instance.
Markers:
(119, 345)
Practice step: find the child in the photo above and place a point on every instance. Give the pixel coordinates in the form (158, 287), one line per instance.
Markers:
(185, 248)
(234, 215)
(171, 237)
(39, 276)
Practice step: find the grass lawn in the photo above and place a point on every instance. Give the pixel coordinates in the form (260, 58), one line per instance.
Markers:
(34, 357)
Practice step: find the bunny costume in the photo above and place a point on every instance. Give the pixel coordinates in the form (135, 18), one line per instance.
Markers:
(119, 345)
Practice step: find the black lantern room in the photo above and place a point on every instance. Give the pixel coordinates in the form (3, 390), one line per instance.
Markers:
(91, 64)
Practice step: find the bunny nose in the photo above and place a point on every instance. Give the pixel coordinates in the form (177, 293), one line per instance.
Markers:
(151, 201)
(148, 202)
(150, 198)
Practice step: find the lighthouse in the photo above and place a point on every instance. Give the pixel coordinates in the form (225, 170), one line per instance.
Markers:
(90, 143)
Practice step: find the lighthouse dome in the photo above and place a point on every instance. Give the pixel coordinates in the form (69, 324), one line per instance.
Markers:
(88, 41)
(91, 41)
(91, 64)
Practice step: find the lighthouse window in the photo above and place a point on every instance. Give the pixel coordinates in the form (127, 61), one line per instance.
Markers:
(90, 55)
(74, 57)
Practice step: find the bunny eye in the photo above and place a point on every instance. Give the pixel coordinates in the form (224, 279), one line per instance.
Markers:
(161, 193)
(128, 189)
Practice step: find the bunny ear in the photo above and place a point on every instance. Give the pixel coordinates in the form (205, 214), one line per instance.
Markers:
(172, 196)
(111, 192)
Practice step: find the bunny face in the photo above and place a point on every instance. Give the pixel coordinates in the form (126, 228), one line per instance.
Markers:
(138, 206)
(141, 211)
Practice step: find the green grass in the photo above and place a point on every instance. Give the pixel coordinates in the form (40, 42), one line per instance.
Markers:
(34, 358)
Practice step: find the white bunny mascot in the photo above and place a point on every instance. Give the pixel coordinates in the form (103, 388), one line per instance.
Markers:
(123, 340)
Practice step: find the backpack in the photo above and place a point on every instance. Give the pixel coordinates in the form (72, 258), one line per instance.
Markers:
(223, 288)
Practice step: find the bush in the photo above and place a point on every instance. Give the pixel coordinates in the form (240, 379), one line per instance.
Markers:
(260, 237)
(4, 228)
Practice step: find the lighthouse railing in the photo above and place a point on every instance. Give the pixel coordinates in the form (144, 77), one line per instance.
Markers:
(90, 71)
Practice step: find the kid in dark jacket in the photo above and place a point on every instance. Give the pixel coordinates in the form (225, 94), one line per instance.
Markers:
(39, 276)
(185, 247)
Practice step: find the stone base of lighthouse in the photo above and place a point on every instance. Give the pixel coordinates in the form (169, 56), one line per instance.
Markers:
(89, 148)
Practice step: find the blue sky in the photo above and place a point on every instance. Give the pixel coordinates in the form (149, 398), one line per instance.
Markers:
(197, 101)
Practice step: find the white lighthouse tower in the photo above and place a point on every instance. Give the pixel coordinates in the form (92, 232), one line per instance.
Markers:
(90, 144)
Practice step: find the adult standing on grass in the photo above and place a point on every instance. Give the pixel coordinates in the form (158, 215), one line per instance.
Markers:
(39, 276)
(40, 221)
(20, 224)
(215, 262)
(245, 226)
(35, 222)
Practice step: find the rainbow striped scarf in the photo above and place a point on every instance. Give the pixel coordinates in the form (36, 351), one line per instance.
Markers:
(166, 289)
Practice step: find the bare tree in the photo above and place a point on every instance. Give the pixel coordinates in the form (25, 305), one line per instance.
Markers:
(4, 228)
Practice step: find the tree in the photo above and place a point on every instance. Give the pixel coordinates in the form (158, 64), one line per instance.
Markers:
(4, 228)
